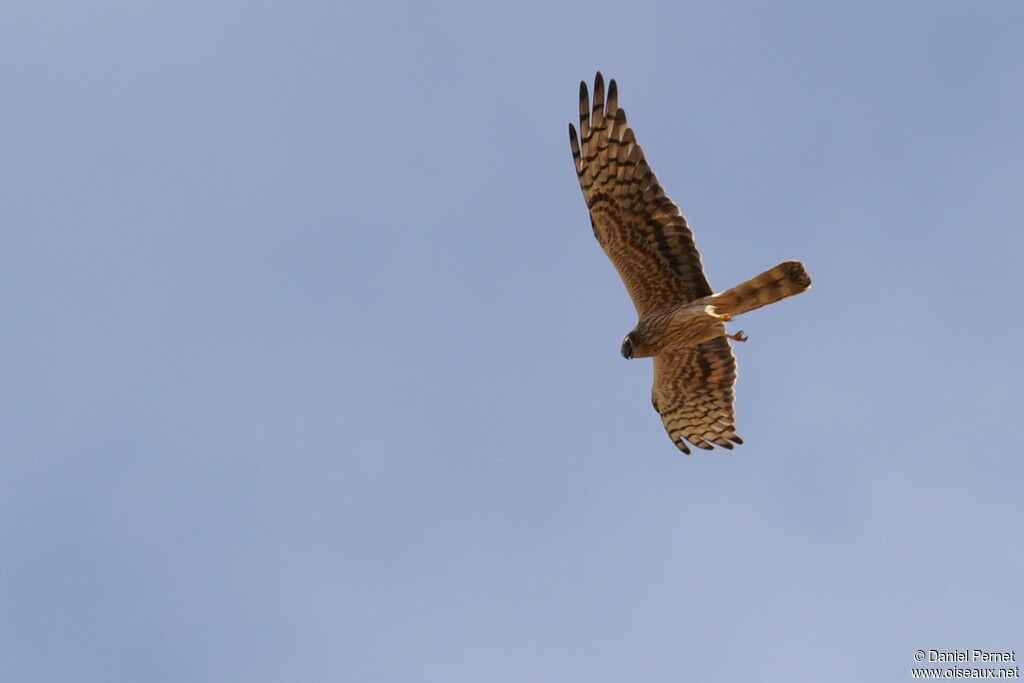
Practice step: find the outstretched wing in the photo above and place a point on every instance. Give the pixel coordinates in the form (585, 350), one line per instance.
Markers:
(640, 229)
(693, 393)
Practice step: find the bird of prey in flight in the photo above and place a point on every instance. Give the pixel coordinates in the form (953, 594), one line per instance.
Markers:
(681, 321)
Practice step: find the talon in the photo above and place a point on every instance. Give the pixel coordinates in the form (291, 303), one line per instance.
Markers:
(726, 316)
(737, 336)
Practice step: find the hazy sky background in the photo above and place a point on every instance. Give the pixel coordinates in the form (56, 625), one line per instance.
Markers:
(310, 363)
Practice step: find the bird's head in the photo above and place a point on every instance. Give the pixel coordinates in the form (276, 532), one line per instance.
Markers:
(627, 346)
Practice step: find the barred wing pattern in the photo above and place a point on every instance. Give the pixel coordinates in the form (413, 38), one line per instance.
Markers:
(647, 239)
(693, 392)
(640, 229)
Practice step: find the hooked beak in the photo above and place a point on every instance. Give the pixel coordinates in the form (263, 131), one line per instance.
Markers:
(627, 348)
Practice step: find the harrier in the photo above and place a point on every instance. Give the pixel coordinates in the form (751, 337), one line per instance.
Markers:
(681, 321)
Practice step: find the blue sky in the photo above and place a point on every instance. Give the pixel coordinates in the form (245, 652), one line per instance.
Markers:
(310, 361)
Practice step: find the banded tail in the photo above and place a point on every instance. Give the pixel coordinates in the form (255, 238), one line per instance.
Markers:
(784, 280)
